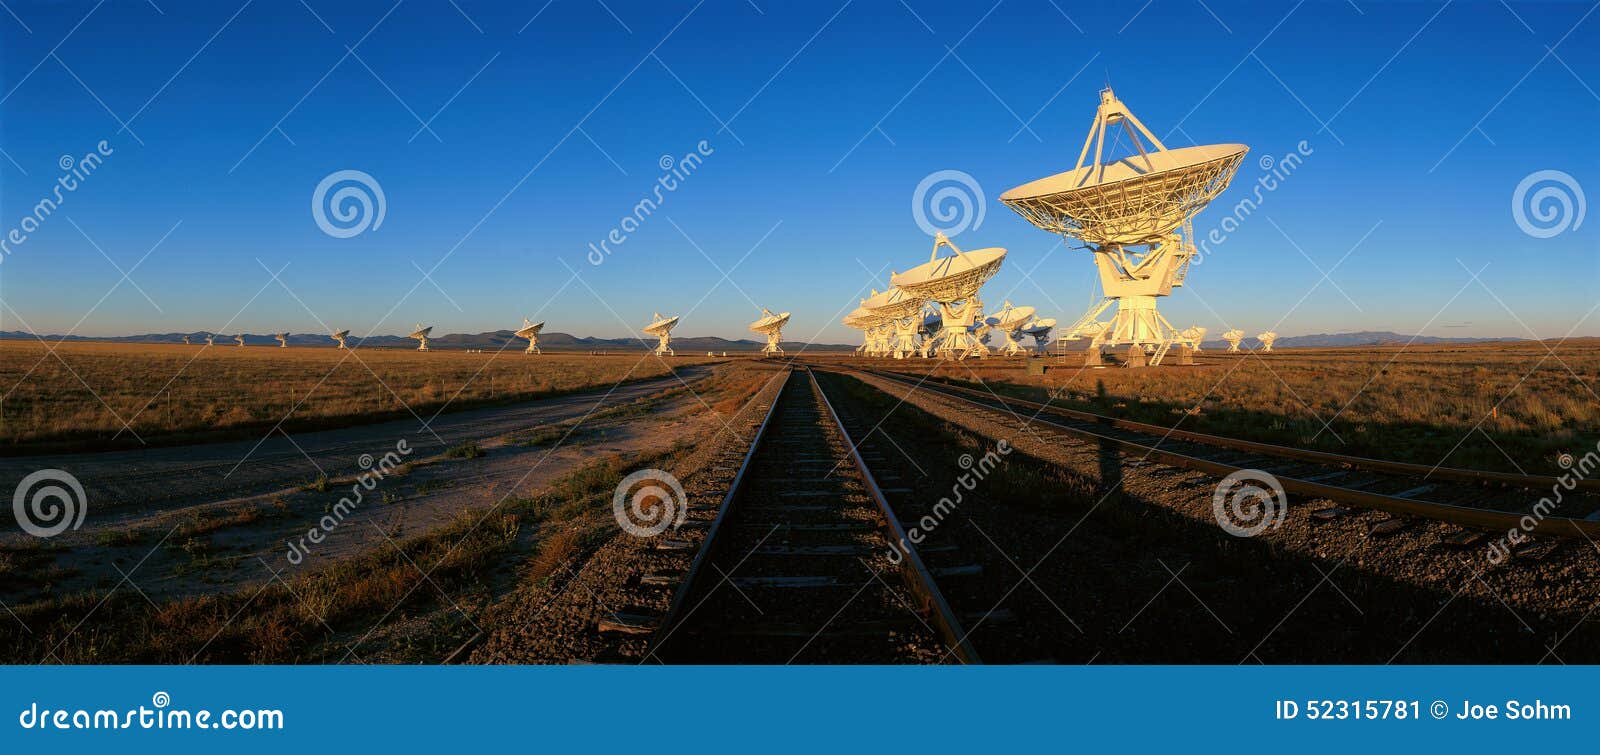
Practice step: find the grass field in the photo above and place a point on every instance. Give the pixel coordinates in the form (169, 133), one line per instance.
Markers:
(1510, 407)
(79, 397)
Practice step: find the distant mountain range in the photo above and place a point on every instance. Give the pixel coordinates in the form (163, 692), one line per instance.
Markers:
(491, 341)
(1362, 338)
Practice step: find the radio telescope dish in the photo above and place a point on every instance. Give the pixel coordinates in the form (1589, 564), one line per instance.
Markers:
(1009, 321)
(1129, 213)
(1040, 331)
(211, 339)
(901, 314)
(1266, 340)
(873, 328)
(1233, 337)
(953, 283)
(340, 336)
(421, 336)
(283, 340)
(530, 330)
(240, 339)
(771, 326)
(185, 340)
(661, 328)
(1193, 336)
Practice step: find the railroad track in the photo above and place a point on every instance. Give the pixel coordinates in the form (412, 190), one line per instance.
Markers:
(795, 563)
(1473, 499)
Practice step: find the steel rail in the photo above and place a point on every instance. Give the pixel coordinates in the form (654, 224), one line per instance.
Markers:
(676, 610)
(918, 578)
(1321, 457)
(1489, 519)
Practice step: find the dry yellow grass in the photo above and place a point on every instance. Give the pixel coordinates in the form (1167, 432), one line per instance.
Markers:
(1494, 406)
(80, 396)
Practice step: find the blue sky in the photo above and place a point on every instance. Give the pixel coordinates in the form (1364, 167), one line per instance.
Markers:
(820, 118)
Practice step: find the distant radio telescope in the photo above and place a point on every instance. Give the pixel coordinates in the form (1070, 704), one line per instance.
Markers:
(1129, 213)
(530, 331)
(661, 328)
(953, 283)
(283, 340)
(1233, 337)
(771, 326)
(1040, 331)
(1009, 322)
(420, 335)
(185, 340)
(340, 336)
(1193, 336)
(239, 338)
(211, 338)
(899, 318)
(1266, 340)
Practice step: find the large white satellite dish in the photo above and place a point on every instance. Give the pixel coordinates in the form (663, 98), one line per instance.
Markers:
(1266, 340)
(420, 335)
(953, 283)
(1233, 337)
(211, 339)
(900, 315)
(1039, 330)
(340, 337)
(1129, 212)
(530, 330)
(661, 328)
(1009, 321)
(771, 326)
(240, 339)
(283, 340)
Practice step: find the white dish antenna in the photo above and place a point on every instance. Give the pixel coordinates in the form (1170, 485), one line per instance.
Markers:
(1193, 336)
(1266, 340)
(1040, 331)
(211, 339)
(953, 283)
(283, 340)
(1129, 213)
(185, 340)
(1233, 337)
(340, 337)
(240, 339)
(1009, 321)
(530, 330)
(899, 313)
(420, 335)
(661, 328)
(771, 326)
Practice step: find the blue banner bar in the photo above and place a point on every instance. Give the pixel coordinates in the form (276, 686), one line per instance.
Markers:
(992, 709)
